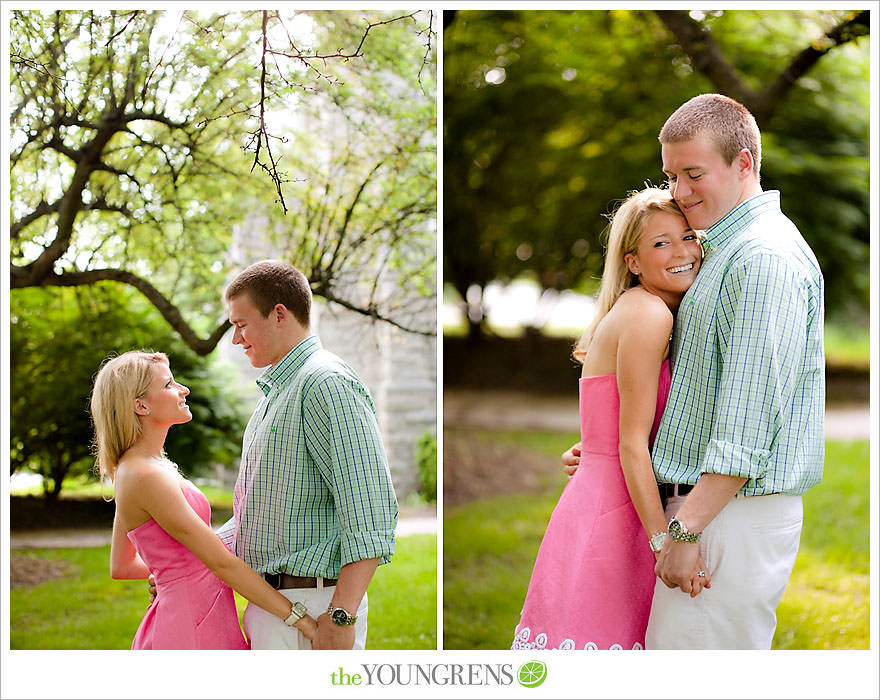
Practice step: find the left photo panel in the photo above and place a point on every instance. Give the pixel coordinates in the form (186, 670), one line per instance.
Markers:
(222, 329)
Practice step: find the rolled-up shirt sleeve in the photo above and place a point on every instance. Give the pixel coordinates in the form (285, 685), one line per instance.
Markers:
(761, 336)
(344, 441)
(226, 533)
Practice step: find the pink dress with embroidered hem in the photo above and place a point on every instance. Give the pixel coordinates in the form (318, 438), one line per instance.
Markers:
(593, 579)
(193, 609)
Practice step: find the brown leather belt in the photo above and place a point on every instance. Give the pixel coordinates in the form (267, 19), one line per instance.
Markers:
(278, 581)
(669, 490)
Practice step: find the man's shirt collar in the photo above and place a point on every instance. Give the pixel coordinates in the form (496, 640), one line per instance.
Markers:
(289, 365)
(738, 218)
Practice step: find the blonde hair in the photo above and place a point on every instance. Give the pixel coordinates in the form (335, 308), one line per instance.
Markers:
(119, 382)
(628, 223)
(729, 125)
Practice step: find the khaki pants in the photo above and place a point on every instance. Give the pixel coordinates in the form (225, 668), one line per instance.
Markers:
(749, 549)
(266, 631)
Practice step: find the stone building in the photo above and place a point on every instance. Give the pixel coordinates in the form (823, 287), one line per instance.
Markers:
(399, 368)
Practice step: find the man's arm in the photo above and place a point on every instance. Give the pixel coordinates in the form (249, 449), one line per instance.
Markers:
(678, 560)
(354, 578)
(344, 441)
(762, 320)
(226, 533)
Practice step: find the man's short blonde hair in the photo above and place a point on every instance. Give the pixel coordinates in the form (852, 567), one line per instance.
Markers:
(724, 120)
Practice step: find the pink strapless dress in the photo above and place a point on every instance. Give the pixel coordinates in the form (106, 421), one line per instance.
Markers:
(193, 609)
(593, 580)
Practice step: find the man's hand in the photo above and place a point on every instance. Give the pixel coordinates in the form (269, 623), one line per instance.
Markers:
(332, 636)
(152, 586)
(678, 564)
(571, 459)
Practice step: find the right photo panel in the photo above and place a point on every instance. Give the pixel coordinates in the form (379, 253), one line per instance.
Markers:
(656, 332)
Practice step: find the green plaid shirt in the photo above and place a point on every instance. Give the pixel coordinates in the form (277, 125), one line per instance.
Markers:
(748, 382)
(314, 490)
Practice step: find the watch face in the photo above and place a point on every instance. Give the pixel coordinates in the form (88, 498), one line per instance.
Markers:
(339, 616)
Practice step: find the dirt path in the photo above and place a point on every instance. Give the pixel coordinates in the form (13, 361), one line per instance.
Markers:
(476, 467)
(500, 410)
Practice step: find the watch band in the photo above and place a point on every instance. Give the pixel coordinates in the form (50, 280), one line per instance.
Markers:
(679, 533)
(656, 541)
(341, 616)
(297, 612)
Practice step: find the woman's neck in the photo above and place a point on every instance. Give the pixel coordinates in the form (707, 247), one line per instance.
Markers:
(151, 443)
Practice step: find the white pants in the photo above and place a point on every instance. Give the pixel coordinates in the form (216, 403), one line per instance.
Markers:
(267, 631)
(749, 549)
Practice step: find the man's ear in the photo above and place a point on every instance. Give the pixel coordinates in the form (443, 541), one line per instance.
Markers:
(746, 162)
(279, 313)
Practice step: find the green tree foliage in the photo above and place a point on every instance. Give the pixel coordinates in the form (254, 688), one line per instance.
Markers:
(134, 135)
(552, 116)
(59, 338)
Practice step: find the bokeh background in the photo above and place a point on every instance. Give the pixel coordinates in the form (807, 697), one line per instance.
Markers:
(549, 118)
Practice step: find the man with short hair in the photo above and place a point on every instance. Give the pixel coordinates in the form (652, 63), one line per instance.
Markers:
(314, 506)
(741, 438)
(744, 421)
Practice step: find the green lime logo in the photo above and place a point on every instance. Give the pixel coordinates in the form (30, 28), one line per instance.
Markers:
(531, 674)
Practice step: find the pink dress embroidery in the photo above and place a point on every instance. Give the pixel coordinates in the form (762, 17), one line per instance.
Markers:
(193, 608)
(593, 579)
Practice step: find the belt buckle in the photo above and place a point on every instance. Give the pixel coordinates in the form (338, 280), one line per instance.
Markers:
(273, 580)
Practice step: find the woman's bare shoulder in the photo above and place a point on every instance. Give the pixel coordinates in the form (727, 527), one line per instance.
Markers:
(136, 472)
(638, 305)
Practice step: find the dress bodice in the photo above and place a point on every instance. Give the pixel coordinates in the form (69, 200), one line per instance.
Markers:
(167, 558)
(600, 411)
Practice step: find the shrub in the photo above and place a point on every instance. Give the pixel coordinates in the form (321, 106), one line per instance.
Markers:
(426, 462)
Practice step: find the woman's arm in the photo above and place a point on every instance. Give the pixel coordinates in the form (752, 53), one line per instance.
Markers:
(159, 494)
(125, 562)
(642, 346)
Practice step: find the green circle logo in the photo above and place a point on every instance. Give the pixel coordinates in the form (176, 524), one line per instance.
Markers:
(532, 673)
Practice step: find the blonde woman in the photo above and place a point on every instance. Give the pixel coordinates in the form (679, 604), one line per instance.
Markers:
(162, 522)
(593, 579)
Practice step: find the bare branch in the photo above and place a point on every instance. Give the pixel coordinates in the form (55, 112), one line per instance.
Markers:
(134, 14)
(370, 311)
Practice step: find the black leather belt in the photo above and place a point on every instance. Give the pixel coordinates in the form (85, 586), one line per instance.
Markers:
(278, 581)
(669, 490)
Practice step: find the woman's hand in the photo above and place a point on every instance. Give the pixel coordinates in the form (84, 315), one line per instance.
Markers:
(698, 583)
(308, 626)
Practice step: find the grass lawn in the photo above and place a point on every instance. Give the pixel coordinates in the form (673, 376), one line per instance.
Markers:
(826, 603)
(89, 610)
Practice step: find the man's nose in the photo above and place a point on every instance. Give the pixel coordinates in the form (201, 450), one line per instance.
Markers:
(679, 189)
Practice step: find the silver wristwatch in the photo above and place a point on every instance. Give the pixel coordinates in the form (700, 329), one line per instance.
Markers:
(679, 533)
(297, 612)
(656, 541)
(341, 616)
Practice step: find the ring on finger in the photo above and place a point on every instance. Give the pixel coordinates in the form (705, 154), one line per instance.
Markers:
(701, 574)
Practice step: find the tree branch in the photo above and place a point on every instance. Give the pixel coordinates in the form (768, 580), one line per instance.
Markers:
(42, 209)
(370, 311)
(19, 278)
(698, 43)
(771, 98)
